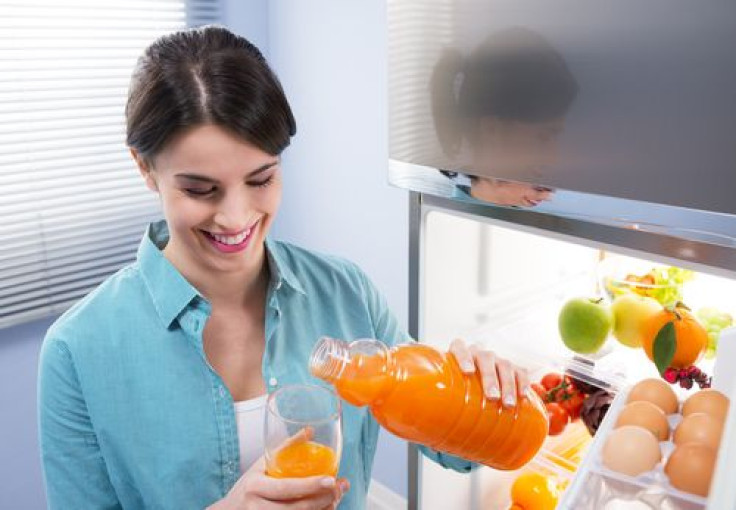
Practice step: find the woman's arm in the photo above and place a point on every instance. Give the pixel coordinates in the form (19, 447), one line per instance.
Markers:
(74, 469)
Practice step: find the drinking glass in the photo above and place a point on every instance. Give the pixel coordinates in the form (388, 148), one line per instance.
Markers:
(303, 432)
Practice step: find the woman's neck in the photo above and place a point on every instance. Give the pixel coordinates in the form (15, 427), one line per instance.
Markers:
(237, 290)
(227, 289)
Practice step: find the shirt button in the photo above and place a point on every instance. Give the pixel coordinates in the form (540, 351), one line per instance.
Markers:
(272, 381)
(278, 285)
(222, 391)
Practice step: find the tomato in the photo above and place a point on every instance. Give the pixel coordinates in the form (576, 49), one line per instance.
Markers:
(540, 390)
(551, 380)
(564, 393)
(558, 418)
(570, 383)
(556, 394)
(573, 403)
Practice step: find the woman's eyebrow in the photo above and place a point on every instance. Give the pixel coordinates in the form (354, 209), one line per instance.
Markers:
(196, 177)
(262, 168)
(204, 178)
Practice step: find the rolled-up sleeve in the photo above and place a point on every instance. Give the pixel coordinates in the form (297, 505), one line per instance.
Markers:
(73, 467)
(448, 461)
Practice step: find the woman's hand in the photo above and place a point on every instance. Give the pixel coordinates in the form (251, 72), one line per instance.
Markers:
(258, 491)
(501, 379)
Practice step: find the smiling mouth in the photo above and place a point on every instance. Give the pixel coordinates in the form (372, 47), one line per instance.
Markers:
(230, 239)
(229, 243)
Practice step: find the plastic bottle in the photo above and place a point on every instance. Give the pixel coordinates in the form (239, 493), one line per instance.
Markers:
(421, 395)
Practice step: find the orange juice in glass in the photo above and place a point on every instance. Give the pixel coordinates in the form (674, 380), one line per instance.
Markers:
(303, 432)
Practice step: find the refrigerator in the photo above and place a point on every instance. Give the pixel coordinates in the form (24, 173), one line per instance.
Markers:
(558, 150)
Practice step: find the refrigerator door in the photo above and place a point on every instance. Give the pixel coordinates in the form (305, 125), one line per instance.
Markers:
(620, 99)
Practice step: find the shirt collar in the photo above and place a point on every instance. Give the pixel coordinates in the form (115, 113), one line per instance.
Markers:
(172, 293)
(280, 269)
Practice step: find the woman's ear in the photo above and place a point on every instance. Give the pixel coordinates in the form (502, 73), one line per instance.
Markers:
(145, 169)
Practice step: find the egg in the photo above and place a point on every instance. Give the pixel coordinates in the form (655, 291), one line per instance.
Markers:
(708, 401)
(646, 415)
(690, 468)
(699, 428)
(656, 391)
(631, 450)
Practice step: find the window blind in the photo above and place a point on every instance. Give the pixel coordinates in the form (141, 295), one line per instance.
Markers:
(72, 204)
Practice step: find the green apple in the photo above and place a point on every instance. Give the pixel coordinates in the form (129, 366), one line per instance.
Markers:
(584, 324)
(630, 312)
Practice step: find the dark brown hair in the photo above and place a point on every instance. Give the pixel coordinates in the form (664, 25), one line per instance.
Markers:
(206, 75)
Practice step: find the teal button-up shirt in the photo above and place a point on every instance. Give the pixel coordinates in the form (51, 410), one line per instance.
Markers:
(133, 416)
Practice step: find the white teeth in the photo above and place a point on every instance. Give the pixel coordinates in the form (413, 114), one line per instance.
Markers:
(231, 240)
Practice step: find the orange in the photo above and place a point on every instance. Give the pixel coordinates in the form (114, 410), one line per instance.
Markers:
(534, 491)
(303, 459)
(691, 337)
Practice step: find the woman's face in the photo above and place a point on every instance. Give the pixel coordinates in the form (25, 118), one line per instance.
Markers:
(219, 195)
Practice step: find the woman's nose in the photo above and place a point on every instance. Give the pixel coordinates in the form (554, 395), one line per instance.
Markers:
(232, 213)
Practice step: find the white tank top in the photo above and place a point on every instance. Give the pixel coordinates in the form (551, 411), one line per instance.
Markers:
(249, 415)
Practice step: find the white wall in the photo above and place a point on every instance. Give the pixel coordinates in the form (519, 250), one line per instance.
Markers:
(249, 18)
(331, 58)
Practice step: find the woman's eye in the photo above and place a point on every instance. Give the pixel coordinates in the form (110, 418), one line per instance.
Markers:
(199, 192)
(262, 184)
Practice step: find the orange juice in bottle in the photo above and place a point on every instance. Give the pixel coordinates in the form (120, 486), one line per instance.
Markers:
(422, 395)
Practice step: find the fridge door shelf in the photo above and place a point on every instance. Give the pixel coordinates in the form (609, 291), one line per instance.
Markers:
(596, 487)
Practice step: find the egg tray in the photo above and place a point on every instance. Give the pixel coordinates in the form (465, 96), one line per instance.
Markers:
(597, 487)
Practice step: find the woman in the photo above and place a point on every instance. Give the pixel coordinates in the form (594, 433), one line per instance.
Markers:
(140, 382)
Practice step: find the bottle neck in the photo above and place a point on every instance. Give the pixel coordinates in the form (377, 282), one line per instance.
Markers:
(359, 370)
(329, 358)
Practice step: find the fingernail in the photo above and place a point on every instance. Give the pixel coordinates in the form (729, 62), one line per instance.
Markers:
(344, 486)
(509, 401)
(327, 482)
(494, 393)
(468, 367)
